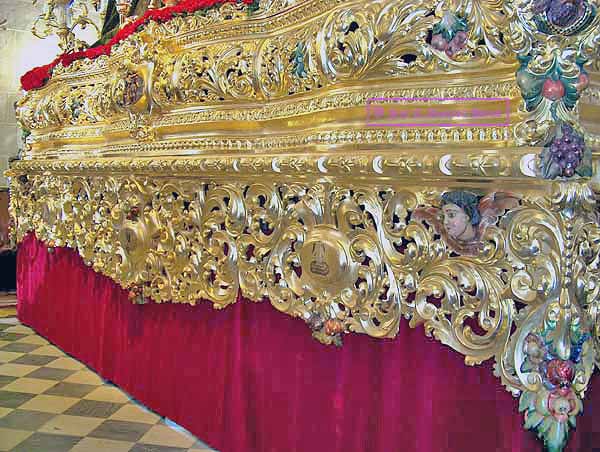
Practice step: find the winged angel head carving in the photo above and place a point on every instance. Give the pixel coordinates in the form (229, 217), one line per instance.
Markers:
(463, 217)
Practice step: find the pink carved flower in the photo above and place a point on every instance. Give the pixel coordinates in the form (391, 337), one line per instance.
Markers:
(582, 82)
(457, 43)
(562, 403)
(439, 43)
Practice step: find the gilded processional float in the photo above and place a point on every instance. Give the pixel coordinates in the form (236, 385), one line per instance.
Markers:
(355, 164)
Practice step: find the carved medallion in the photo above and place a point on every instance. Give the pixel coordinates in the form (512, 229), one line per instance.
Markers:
(130, 90)
(326, 265)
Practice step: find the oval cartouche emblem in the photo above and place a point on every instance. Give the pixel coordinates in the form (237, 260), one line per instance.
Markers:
(131, 90)
(325, 260)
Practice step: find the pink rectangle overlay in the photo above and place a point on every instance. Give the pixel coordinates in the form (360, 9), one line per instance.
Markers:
(376, 107)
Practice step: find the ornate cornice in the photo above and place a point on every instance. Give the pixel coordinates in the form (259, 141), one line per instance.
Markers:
(419, 161)
(177, 125)
(286, 72)
(492, 137)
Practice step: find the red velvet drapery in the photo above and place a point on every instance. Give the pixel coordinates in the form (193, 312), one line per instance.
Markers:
(4, 221)
(250, 379)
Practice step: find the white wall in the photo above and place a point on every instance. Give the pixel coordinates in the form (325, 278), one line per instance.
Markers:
(19, 52)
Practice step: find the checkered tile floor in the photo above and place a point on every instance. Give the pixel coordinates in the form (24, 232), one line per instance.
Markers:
(50, 402)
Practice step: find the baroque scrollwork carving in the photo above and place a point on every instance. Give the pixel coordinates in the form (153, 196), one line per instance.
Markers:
(358, 42)
(492, 275)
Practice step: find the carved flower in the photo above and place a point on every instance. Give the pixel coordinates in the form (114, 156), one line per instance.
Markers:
(450, 34)
(134, 213)
(534, 348)
(560, 372)
(315, 322)
(562, 403)
(333, 327)
(136, 294)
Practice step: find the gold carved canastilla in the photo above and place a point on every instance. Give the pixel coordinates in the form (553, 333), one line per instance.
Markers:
(231, 153)
(240, 84)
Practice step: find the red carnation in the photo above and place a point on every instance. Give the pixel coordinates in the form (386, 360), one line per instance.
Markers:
(95, 52)
(160, 15)
(37, 77)
(67, 58)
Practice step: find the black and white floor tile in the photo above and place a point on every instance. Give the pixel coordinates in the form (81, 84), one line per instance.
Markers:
(50, 402)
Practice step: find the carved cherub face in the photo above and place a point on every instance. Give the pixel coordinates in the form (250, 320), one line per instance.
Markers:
(457, 223)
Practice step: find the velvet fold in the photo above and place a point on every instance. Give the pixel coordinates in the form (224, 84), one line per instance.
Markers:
(250, 379)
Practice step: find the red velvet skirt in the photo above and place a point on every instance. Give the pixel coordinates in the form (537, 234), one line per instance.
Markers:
(250, 379)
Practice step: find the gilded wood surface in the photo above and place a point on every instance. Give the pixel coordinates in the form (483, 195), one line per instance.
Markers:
(226, 153)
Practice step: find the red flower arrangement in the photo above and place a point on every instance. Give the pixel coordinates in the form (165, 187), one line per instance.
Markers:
(37, 77)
